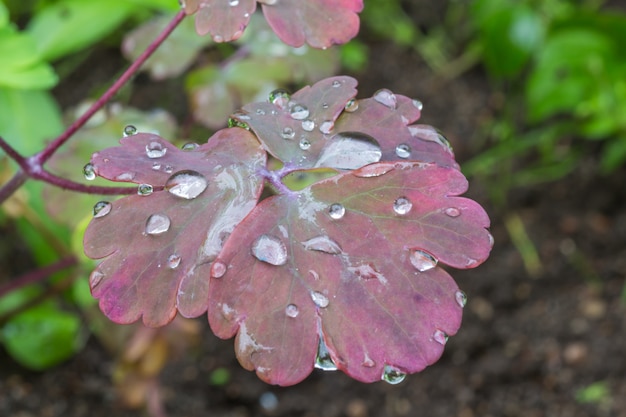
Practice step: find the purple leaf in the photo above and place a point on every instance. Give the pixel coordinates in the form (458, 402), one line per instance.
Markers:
(158, 248)
(224, 20)
(352, 260)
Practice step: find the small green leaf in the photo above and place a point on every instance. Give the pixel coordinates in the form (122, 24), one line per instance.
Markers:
(21, 66)
(594, 393)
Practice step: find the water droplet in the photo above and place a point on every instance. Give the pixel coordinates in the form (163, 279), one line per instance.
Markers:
(452, 212)
(288, 133)
(190, 146)
(233, 3)
(95, 278)
(168, 169)
(319, 299)
(418, 104)
(402, 206)
(268, 400)
(325, 106)
(299, 112)
(157, 224)
(270, 249)
(322, 244)
(403, 151)
(101, 209)
(292, 311)
(89, 172)
(305, 144)
(386, 98)
(156, 166)
(280, 98)
(336, 211)
(173, 261)
(260, 112)
(350, 150)
(125, 176)
(232, 122)
(368, 362)
(186, 184)
(327, 126)
(155, 150)
(423, 261)
(144, 189)
(218, 269)
(308, 125)
(392, 375)
(323, 360)
(461, 298)
(351, 106)
(368, 271)
(130, 130)
(336, 83)
(440, 337)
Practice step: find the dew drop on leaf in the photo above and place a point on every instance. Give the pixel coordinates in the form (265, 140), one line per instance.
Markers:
(402, 206)
(218, 269)
(308, 125)
(186, 184)
(392, 375)
(319, 299)
(403, 151)
(89, 172)
(130, 130)
(173, 261)
(299, 112)
(156, 166)
(233, 3)
(368, 362)
(288, 133)
(144, 189)
(322, 244)
(305, 144)
(155, 150)
(95, 278)
(189, 146)
(386, 98)
(452, 212)
(280, 98)
(292, 311)
(270, 249)
(350, 150)
(157, 224)
(327, 126)
(423, 261)
(323, 359)
(101, 209)
(336, 84)
(336, 211)
(418, 104)
(461, 298)
(168, 169)
(440, 337)
(351, 106)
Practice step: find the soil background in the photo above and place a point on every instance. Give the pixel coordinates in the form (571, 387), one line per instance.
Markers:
(527, 344)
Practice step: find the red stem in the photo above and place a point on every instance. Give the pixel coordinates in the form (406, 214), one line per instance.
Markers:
(38, 275)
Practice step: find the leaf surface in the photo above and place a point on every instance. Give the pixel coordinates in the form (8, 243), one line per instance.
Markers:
(351, 260)
(224, 20)
(158, 248)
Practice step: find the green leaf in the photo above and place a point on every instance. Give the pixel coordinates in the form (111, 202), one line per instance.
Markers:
(4, 16)
(21, 66)
(614, 154)
(71, 25)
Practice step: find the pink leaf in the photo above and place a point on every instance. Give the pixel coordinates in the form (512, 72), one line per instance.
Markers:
(351, 261)
(158, 248)
(225, 20)
(320, 23)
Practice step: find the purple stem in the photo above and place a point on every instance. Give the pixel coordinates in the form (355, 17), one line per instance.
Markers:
(37, 275)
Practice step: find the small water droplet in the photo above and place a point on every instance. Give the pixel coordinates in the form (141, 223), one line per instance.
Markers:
(280, 98)
(130, 130)
(270, 249)
(157, 224)
(156, 166)
(392, 375)
(299, 112)
(218, 269)
(232, 122)
(325, 105)
(144, 189)
(461, 298)
(190, 146)
(402, 206)
(327, 126)
(173, 261)
(323, 360)
(186, 184)
(101, 209)
(418, 104)
(319, 299)
(168, 169)
(125, 176)
(288, 133)
(352, 106)
(350, 150)
(308, 125)
(440, 337)
(386, 98)
(322, 244)
(403, 151)
(233, 3)
(155, 150)
(292, 311)
(336, 83)
(89, 172)
(95, 278)
(453, 212)
(368, 362)
(336, 211)
(305, 144)
(423, 261)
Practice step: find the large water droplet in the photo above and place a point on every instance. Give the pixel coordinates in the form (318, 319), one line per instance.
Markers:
(305, 144)
(323, 360)
(423, 261)
(173, 261)
(349, 150)
(95, 278)
(327, 126)
(402, 206)
(292, 311)
(270, 249)
(308, 125)
(461, 298)
(452, 212)
(392, 375)
(299, 112)
(155, 150)
(130, 130)
(403, 151)
(319, 299)
(352, 106)
(336, 211)
(186, 184)
(218, 269)
(440, 337)
(101, 209)
(280, 98)
(157, 224)
(386, 98)
(89, 172)
(144, 189)
(322, 244)
(288, 133)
